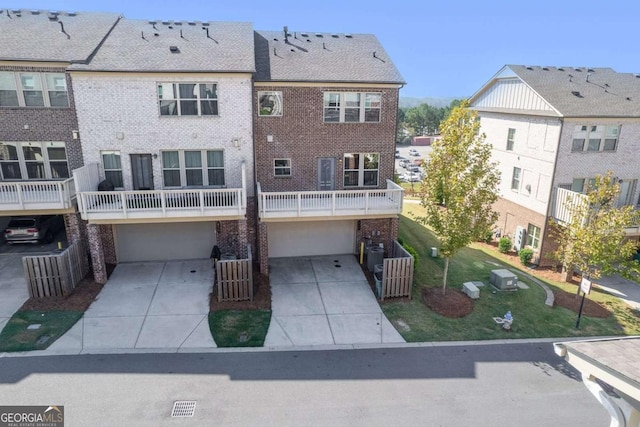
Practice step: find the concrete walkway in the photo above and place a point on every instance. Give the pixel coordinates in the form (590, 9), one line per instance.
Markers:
(154, 306)
(13, 287)
(627, 290)
(324, 300)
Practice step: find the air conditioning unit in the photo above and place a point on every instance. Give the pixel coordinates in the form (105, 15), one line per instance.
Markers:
(519, 238)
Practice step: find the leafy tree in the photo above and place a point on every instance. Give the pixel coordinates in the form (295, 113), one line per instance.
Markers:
(460, 185)
(593, 241)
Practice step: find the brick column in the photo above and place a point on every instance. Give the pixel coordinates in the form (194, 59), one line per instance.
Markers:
(262, 248)
(72, 227)
(97, 253)
(242, 239)
(393, 232)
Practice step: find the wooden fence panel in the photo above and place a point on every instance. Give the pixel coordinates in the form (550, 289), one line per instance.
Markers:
(55, 274)
(235, 279)
(397, 279)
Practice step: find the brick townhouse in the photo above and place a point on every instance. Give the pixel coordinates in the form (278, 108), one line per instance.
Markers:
(40, 144)
(324, 133)
(553, 129)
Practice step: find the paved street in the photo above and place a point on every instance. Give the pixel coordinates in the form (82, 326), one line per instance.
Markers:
(482, 385)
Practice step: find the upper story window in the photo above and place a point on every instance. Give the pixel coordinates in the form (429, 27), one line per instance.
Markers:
(270, 103)
(515, 178)
(511, 135)
(188, 99)
(282, 167)
(595, 138)
(112, 165)
(361, 170)
(33, 160)
(18, 89)
(352, 107)
(193, 168)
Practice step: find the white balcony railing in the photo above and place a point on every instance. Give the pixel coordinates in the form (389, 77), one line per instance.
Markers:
(343, 203)
(118, 205)
(37, 195)
(565, 201)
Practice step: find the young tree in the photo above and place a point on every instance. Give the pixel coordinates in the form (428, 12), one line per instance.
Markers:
(593, 241)
(460, 185)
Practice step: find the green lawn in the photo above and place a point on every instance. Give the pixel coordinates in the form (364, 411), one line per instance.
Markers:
(532, 318)
(239, 328)
(16, 337)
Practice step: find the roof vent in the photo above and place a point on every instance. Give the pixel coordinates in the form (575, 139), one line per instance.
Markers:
(170, 27)
(318, 35)
(72, 13)
(637, 76)
(35, 12)
(578, 70)
(576, 94)
(15, 11)
(628, 98)
(590, 70)
(156, 34)
(529, 68)
(304, 34)
(335, 36)
(349, 36)
(545, 68)
(165, 22)
(174, 49)
(177, 23)
(560, 69)
(275, 39)
(206, 24)
(192, 22)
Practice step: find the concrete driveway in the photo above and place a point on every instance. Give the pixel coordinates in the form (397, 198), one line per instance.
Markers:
(324, 300)
(162, 306)
(13, 287)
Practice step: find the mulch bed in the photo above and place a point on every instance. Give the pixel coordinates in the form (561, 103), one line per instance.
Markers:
(261, 296)
(572, 302)
(453, 304)
(79, 300)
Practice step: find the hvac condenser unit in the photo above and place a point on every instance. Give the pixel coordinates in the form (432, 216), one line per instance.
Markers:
(503, 279)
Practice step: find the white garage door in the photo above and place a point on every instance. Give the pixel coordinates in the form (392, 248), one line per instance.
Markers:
(311, 238)
(164, 242)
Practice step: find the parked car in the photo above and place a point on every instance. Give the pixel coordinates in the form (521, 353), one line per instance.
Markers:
(412, 150)
(397, 154)
(411, 177)
(405, 162)
(33, 229)
(414, 153)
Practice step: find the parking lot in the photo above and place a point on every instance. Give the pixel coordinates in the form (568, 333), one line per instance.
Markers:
(405, 154)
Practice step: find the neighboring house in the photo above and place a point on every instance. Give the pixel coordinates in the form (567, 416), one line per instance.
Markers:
(165, 115)
(425, 140)
(553, 129)
(324, 131)
(39, 141)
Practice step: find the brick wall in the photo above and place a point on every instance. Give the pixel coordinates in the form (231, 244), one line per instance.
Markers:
(120, 111)
(512, 215)
(44, 124)
(384, 230)
(301, 135)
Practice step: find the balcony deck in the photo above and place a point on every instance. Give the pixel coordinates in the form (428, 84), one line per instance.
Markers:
(107, 206)
(30, 196)
(280, 206)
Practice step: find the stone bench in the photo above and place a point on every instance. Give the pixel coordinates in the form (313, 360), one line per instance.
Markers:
(471, 290)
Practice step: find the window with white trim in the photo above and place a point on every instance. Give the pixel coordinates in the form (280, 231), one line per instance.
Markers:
(511, 134)
(582, 185)
(112, 165)
(27, 89)
(515, 178)
(533, 236)
(361, 169)
(352, 107)
(595, 138)
(270, 103)
(282, 167)
(33, 160)
(193, 168)
(188, 99)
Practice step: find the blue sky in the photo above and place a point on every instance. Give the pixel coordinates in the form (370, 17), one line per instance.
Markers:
(443, 49)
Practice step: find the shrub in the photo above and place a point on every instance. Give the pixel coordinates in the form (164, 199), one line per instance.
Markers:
(525, 255)
(504, 244)
(486, 237)
(412, 252)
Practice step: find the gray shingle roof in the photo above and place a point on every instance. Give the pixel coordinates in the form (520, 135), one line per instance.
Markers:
(27, 35)
(584, 92)
(327, 58)
(207, 47)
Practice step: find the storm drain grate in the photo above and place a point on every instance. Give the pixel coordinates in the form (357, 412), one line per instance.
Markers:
(183, 408)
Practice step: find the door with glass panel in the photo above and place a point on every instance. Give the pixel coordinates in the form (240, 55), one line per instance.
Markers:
(326, 174)
(141, 171)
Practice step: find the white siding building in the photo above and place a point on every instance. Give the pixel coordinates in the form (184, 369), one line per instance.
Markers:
(557, 128)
